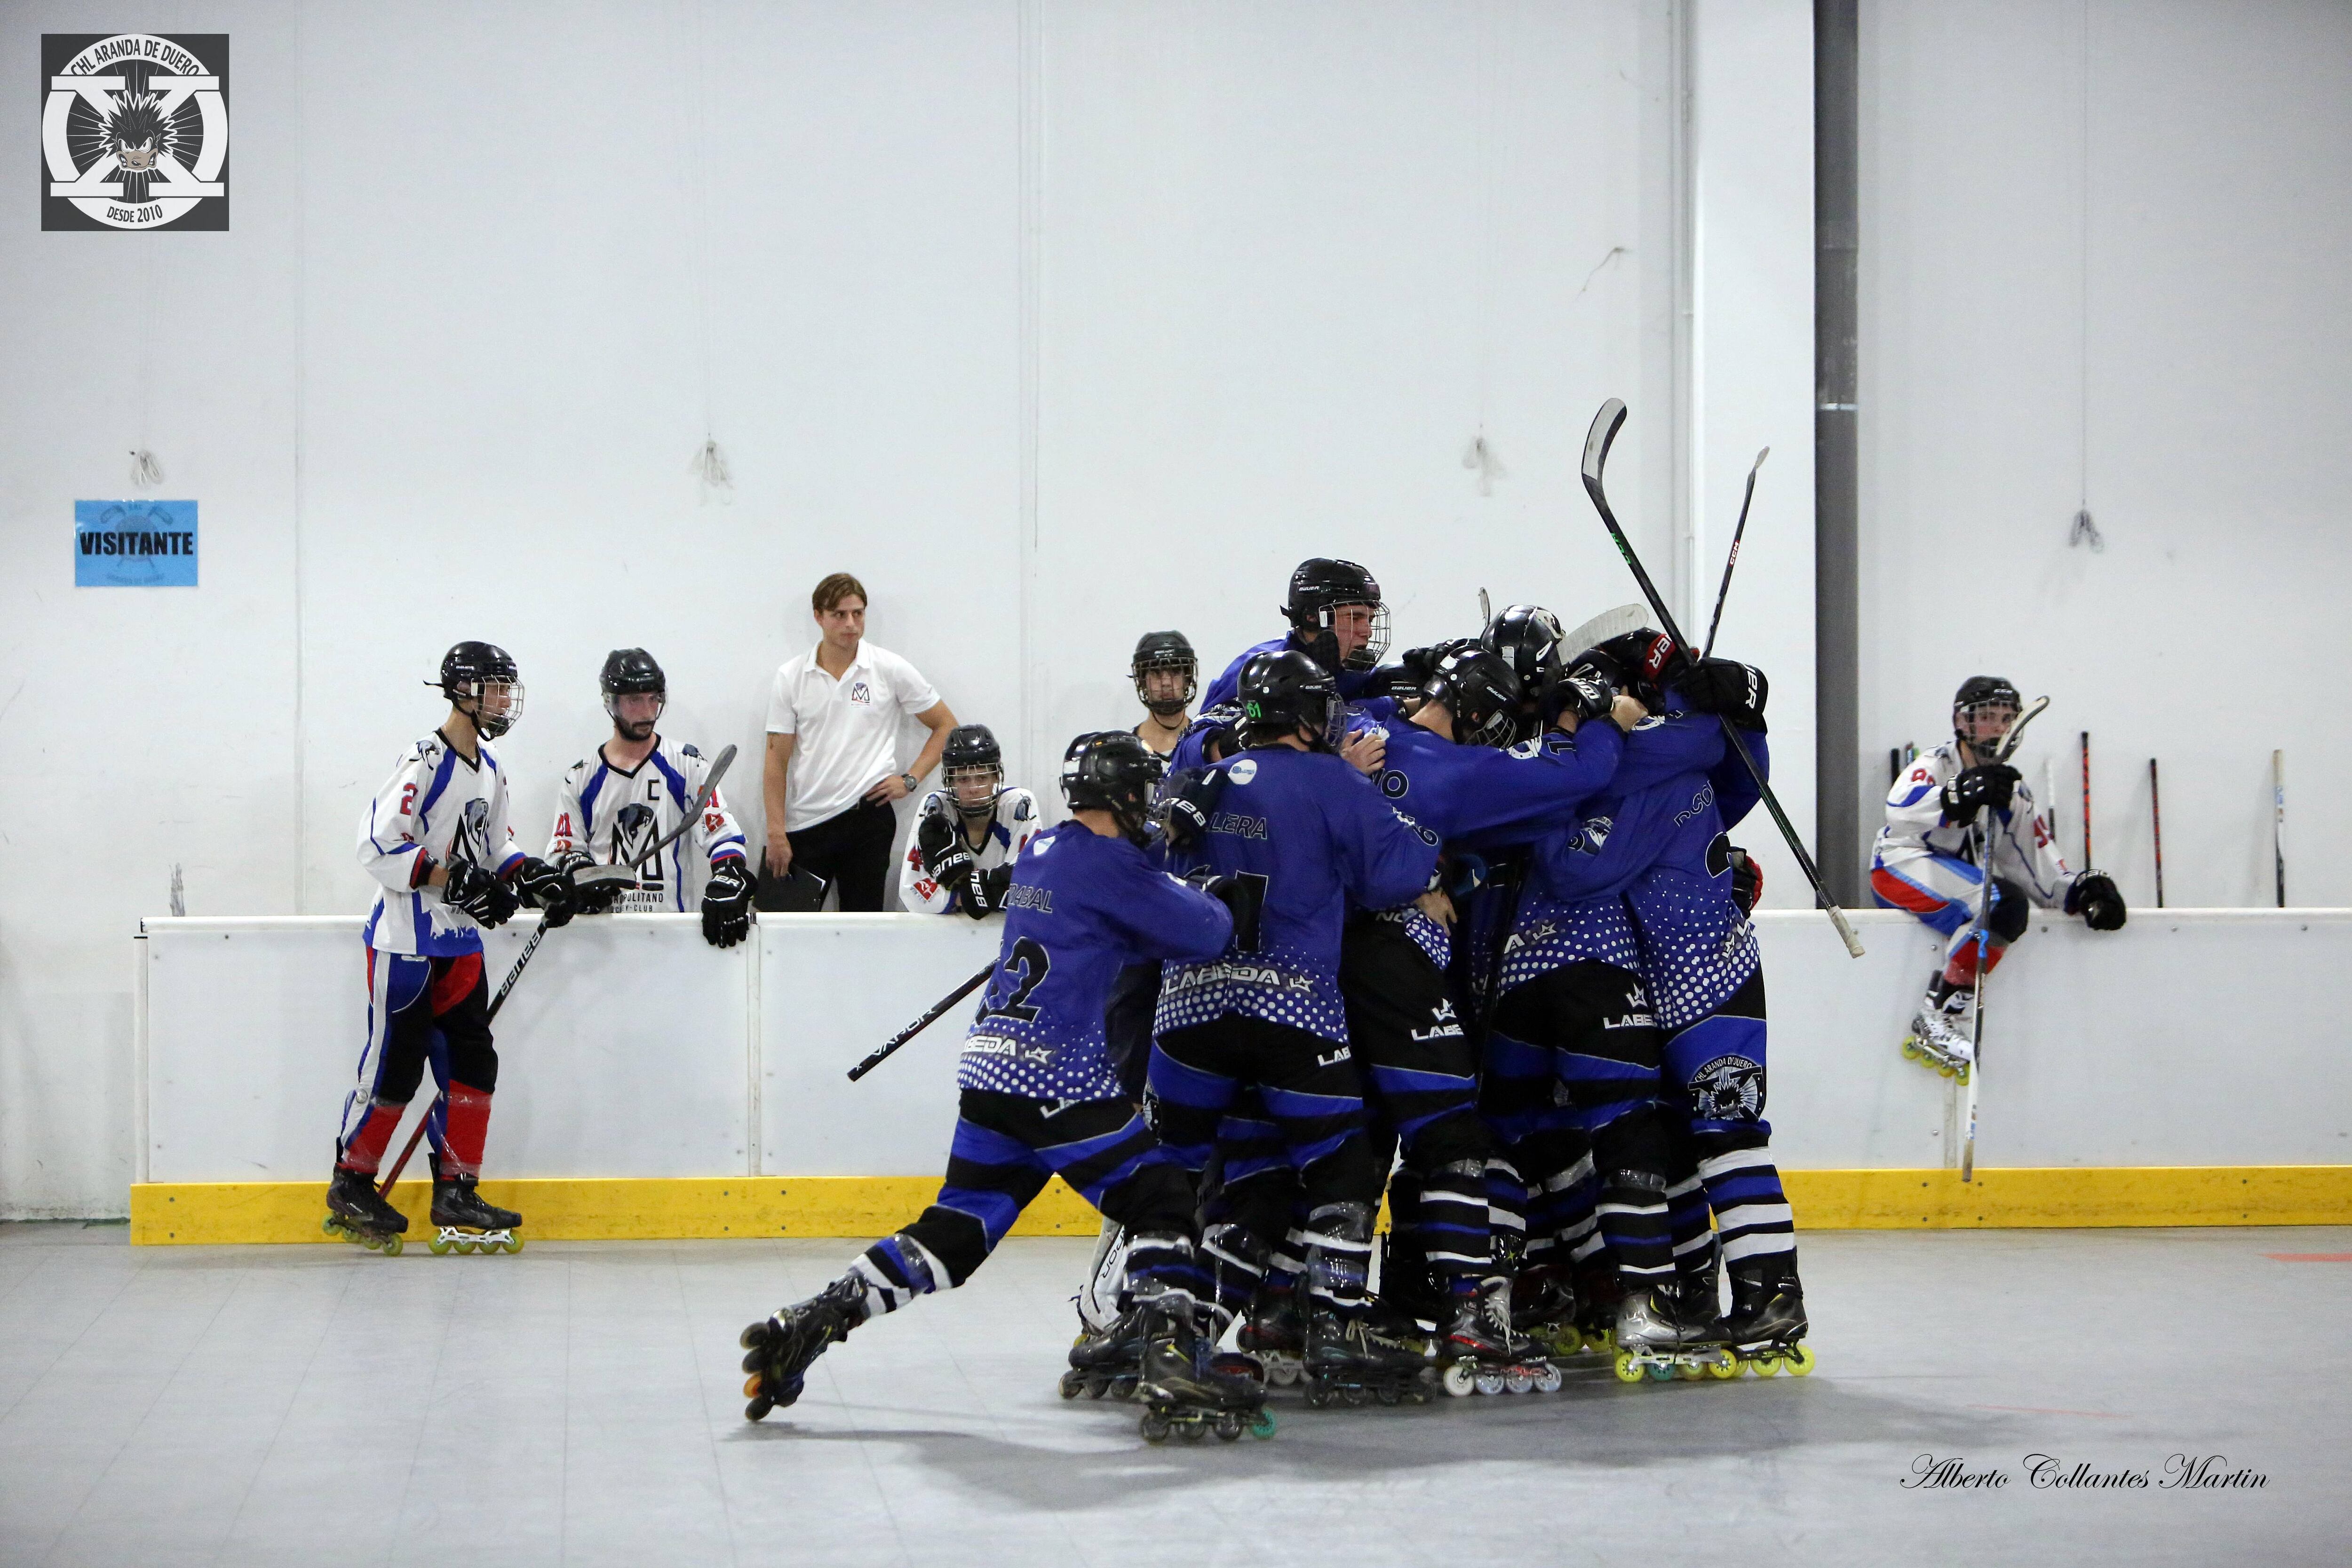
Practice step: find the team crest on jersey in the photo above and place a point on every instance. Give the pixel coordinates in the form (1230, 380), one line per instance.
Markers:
(1728, 1088)
(861, 693)
(134, 130)
(1242, 772)
(470, 846)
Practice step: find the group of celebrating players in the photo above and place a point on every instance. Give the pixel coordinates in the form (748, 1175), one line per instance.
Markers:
(1468, 931)
(1465, 931)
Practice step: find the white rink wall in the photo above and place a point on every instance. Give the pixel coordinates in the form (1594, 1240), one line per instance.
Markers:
(631, 1048)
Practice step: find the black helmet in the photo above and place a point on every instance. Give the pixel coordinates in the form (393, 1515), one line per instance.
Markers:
(1282, 692)
(1165, 650)
(1480, 691)
(972, 750)
(628, 669)
(1634, 662)
(1317, 588)
(1527, 637)
(467, 671)
(1113, 771)
(1987, 694)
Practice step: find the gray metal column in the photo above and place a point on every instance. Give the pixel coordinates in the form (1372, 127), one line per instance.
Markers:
(1837, 733)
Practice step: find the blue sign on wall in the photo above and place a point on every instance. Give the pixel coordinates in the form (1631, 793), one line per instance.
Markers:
(134, 544)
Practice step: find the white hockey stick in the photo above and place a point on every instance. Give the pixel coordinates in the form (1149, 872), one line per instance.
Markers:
(592, 876)
(2002, 750)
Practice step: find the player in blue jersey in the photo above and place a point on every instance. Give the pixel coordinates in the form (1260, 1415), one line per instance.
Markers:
(1335, 618)
(1444, 769)
(1289, 817)
(1039, 1098)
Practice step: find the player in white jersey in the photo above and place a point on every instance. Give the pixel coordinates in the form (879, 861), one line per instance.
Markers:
(1927, 861)
(969, 829)
(1167, 674)
(438, 840)
(615, 806)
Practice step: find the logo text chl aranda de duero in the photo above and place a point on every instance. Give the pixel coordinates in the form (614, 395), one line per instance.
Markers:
(134, 130)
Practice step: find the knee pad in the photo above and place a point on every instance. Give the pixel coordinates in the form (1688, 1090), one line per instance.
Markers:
(1457, 1138)
(1348, 1223)
(949, 1238)
(1159, 1263)
(2011, 912)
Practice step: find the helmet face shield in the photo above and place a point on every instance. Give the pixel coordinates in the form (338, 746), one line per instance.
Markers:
(635, 713)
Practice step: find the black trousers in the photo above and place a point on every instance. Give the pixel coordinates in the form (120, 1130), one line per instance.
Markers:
(852, 851)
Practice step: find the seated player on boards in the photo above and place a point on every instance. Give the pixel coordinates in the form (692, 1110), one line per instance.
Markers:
(970, 831)
(614, 806)
(438, 841)
(1926, 861)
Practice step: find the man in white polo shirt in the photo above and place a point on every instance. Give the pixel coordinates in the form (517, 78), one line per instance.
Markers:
(833, 750)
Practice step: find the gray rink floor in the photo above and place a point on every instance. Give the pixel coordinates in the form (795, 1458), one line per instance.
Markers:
(580, 1403)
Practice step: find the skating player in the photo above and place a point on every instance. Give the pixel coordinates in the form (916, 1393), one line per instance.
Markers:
(970, 831)
(1166, 678)
(615, 806)
(1038, 1098)
(438, 841)
(1289, 818)
(1443, 769)
(1929, 861)
(1335, 618)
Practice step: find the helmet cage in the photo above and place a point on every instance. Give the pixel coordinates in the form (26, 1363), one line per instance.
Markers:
(1165, 658)
(488, 721)
(989, 780)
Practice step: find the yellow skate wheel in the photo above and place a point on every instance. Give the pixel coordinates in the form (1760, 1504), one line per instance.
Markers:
(1770, 1365)
(1803, 1362)
(1944, 1070)
(514, 1244)
(438, 1246)
(1963, 1075)
(328, 1224)
(1626, 1368)
(391, 1246)
(1728, 1367)
(1910, 1050)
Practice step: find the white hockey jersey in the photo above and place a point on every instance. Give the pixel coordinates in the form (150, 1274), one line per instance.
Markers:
(438, 809)
(1015, 823)
(616, 817)
(2022, 849)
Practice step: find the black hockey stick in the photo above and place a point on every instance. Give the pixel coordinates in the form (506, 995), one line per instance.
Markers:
(882, 1053)
(2002, 749)
(1732, 559)
(1605, 426)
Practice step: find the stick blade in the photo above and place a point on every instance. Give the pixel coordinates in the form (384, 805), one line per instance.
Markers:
(1606, 625)
(1605, 426)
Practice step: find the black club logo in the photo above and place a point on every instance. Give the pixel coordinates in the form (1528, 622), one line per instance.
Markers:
(134, 131)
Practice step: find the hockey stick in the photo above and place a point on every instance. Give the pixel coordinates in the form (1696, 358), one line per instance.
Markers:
(1605, 426)
(2278, 823)
(2004, 748)
(1486, 610)
(882, 1053)
(1732, 559)
(2156, 829)
(2087, 801)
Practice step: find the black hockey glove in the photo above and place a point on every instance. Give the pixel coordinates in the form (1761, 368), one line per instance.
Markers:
(548, 888)
(1462, 874)
(596, 898)
(727, 903)
(1587, 696)
(1993, 784)
(490, 901)
(2094, 897)
(1737, 691)
(947, 854)
(1244, 896)
(984, 891)
(1747, 880)
(1185, 809)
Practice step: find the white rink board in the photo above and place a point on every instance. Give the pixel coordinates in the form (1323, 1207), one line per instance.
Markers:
(632, 1048)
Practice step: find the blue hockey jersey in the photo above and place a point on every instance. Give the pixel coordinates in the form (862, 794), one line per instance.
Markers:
(1353, 683)
(1080, 908)
(1320, 838)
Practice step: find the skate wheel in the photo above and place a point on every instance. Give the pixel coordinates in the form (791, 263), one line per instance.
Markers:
(753, 1336)
(1461, 1379)
(328, 1224)
(1962, 1076)
(1518, 1380)
(1353, 1396)
(1661, 1373)
(1072, 1384)
(1281, 1372)
(1192, 1431)
(1390, 1396)
(1626, 1368)
(1490, 1383)
(1229, 1428)
(1728, 1367)
(1802, 1361)
(1154, 1427)
(1769, 1365)
(514, 1244)
(1319, 1395)
(1261, 1423)
(1688, 1372)
(756, 1410)
(751, 1386)
(1549, 1383)
(438, 1246)
(1944, 1070)
(391, 1246)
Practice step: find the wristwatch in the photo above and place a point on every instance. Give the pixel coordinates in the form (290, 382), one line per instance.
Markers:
(911, 781)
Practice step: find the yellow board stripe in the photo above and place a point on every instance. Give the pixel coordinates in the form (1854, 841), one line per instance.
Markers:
(168, 1214)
